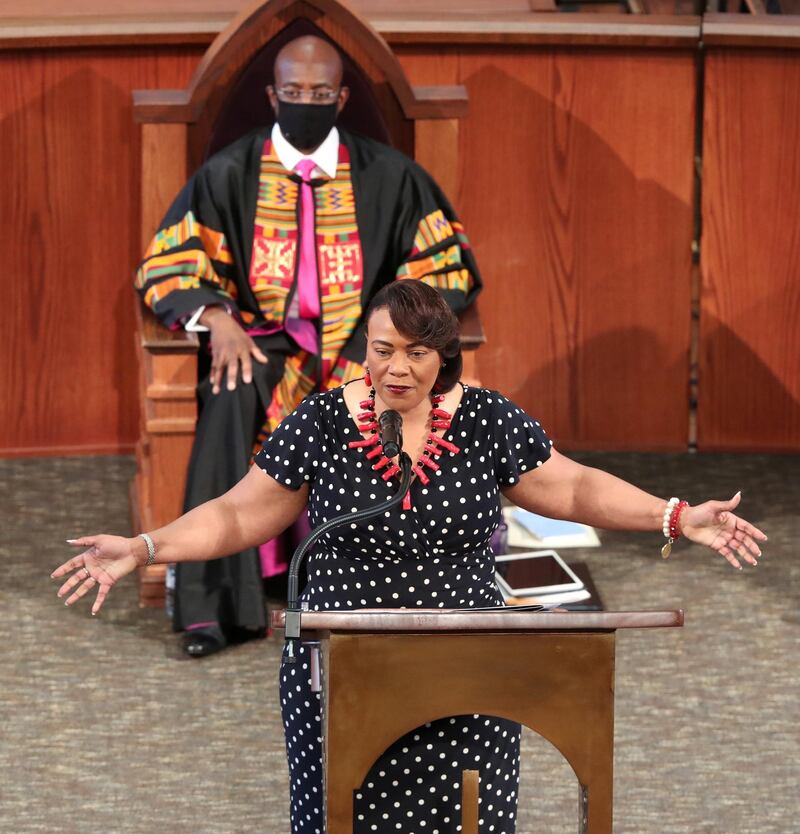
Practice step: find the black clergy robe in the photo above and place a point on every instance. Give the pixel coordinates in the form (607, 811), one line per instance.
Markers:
(231, 238)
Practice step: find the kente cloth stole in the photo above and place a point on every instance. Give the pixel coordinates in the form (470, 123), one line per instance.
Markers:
(297, 382)
(339, 265)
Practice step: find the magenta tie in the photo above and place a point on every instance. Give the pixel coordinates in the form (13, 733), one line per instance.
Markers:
(304, 307)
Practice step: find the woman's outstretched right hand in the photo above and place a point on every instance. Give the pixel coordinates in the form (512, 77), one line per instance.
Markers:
(103, 563)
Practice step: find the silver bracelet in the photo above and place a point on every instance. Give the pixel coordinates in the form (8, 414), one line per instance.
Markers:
(151, 549)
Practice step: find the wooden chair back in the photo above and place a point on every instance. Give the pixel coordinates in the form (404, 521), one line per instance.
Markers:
(224, 100)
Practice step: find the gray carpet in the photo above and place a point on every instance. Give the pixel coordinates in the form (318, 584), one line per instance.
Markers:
(104, 727)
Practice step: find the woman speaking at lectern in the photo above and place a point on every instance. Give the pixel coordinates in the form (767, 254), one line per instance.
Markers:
(468, 446)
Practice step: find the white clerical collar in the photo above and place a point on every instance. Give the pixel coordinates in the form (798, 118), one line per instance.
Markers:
(325, 157)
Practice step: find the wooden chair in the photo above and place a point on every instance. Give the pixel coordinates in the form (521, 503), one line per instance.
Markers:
(224, 100)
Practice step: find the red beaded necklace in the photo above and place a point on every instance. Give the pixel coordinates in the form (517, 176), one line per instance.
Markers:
(433, 448)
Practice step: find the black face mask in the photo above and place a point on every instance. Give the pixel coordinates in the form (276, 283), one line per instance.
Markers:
(306, 125)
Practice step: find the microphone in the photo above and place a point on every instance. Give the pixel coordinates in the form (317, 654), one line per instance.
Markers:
(294, 613)
(390, 424)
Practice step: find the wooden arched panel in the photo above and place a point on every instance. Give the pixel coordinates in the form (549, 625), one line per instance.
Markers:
(243, 50)
(246, 106)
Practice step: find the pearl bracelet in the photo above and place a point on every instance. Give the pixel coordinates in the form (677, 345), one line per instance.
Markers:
(671, 504)
(151, 549)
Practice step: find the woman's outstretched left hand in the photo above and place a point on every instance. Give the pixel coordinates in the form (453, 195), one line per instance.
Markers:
(715, 525)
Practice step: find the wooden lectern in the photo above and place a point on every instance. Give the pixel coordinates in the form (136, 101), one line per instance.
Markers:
(383, 673)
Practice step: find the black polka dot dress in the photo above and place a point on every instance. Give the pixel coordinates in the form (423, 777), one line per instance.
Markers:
(436, 554)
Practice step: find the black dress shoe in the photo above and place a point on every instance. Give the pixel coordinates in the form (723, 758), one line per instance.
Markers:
(201, 642)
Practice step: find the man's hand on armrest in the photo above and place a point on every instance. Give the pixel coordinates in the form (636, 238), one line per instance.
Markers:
(230, 347)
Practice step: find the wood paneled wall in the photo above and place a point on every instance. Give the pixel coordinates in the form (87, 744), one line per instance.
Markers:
(576, 187)
(69, 219)
(576, 172)
(749, 374)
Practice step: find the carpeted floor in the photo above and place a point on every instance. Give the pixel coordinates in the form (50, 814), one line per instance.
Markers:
(104, 727)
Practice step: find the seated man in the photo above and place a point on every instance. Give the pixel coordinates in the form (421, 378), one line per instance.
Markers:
(275, 247)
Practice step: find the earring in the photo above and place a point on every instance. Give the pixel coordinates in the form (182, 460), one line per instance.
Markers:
(367, 378)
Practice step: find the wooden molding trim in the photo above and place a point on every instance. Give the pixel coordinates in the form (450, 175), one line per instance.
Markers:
(435, 619)
(163, 391)
(121, 448)
(545, 28)
(445, 102)
(534, 28)
(747, 31)
(171, 425)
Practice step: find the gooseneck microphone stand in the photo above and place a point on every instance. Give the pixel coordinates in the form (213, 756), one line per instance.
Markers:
(293, 611)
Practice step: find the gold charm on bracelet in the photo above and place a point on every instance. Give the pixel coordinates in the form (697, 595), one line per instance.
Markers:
(666, 549)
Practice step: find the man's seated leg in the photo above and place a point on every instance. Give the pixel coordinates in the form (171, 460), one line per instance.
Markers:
(221, 601)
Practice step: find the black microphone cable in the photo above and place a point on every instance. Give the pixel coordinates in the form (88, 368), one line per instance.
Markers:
(293, 613)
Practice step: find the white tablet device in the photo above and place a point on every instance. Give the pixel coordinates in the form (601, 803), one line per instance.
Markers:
(534, 572)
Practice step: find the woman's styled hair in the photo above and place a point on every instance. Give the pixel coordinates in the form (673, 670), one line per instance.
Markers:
(422, 315)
